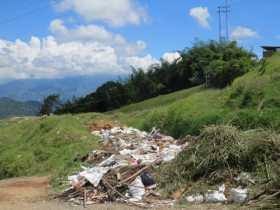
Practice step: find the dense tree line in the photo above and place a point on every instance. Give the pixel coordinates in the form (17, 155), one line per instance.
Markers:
(214, 64)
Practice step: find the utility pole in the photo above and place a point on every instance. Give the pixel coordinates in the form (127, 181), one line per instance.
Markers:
(224, 12)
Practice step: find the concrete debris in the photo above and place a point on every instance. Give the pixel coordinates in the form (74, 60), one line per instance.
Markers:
(122, 171)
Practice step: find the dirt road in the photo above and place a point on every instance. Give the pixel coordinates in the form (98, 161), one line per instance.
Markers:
(32, 194)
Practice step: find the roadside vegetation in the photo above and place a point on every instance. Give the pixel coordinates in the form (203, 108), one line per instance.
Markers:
(236, 122)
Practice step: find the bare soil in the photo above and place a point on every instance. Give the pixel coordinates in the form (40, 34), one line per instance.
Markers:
(24, 190)
(31, 193)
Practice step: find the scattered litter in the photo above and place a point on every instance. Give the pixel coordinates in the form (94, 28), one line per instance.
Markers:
(238, 195)
(245, 178)
(122, 170)
(136, 190)
(147, 179)
(197, 199)
(94, 175)
(170, 152)
(216, 196)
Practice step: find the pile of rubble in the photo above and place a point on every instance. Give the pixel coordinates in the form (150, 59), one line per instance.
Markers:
(123, 170)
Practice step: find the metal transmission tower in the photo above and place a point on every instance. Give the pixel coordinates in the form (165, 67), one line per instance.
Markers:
(224, 12)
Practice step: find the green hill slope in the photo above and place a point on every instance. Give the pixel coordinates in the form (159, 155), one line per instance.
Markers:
(43, 146)
(50, 145)
(252, 101)
(11, 108)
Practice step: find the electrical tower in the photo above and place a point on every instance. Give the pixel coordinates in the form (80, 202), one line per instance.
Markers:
(224, 12)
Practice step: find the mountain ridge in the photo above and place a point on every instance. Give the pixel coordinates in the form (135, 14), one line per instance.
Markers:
(13, 108)
(67, 88)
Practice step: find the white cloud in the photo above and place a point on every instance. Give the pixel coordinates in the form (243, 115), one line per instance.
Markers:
(201, 15)
(84, 33)
(84, 50)
(47, 58)
(241, 32)
(142, 62)
(113, 12)
(95, 33)
(171, 57)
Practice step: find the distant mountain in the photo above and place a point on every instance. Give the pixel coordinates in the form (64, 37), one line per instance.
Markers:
(12, 108)
(37, 89)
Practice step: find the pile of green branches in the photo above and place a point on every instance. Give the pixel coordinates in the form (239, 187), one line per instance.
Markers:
(221, 153)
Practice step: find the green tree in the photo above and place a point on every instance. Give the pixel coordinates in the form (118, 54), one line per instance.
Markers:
(110, 95)
(214, 64)
(217, 64)
(50, 104)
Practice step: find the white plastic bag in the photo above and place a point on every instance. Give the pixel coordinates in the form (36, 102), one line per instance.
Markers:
(198, 198)
(136, 189)
(169, 153)
(238, 195)
(94, 175)
(215, 197)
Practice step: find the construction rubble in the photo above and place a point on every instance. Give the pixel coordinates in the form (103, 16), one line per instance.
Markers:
(123, 170)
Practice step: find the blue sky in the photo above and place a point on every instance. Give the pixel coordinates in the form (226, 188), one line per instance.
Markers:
(79, 37)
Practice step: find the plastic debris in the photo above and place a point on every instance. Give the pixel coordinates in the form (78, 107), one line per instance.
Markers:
(147, 179)
(245, 178)
(216, 196)
(121, 171)
(198, 198)
(92, 175)
(238, 195)
(169, 153)
(136, 189)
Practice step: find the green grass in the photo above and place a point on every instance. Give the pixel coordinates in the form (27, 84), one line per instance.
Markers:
(44, 146)
(252, 101)
(160, 101)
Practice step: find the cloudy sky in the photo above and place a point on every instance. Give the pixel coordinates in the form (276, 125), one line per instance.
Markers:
(59, 38)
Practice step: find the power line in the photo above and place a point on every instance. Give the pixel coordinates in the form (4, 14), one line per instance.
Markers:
(224, 12)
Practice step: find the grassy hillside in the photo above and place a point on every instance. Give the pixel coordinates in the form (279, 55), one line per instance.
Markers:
(252, 101)
(10, 108)
(51, 145)
(160, 101)
(43, 146)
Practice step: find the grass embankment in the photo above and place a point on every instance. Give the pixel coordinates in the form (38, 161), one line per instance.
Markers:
(44, 146)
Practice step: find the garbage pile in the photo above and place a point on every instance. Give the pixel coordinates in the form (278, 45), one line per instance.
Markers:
(123, 170)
